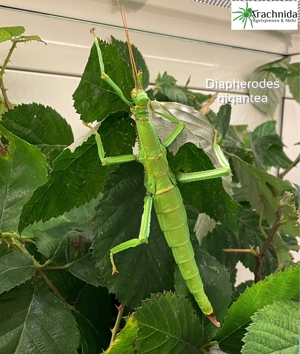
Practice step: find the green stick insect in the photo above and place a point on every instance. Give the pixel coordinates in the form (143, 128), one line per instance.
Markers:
(161, 185)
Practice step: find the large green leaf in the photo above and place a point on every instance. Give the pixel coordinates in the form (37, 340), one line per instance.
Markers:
(283, 286)
(94, 99)
(35, 322)
(267, 78)
(267, 146)
(15, 269)
(138, 58)
(142, 270)
(208, 196)
(260, 189)
(7, 33)
(78, 176)
(167, 324)
(40, 126)
(22, 169)
(275, 329)
(221, 238)
(125, 341)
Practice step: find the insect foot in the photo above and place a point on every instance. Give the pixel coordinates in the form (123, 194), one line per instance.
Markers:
(114, 268)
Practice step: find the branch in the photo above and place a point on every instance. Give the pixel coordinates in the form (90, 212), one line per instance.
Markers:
(290, 166)
(3, 89)
(116, 328)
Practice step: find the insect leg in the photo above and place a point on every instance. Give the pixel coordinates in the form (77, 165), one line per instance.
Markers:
(143, 234)
(104, 76)
(112, 159)
(176, 132)
(208, 174)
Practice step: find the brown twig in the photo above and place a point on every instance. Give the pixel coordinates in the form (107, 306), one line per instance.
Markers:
(268, 241)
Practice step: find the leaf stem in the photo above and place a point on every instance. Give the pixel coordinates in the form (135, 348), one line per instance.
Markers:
(2, 87)
(116, 327)
(21, 247)
(55, 290)
(241, 250)
(268, 241)
(290, 166)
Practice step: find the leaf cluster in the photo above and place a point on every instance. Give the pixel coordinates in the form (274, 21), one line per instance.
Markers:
(61, 212)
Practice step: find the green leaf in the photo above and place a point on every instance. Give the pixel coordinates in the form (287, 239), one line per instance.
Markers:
(208, 196)
(125, 340)
(79, 176)
(274, 94)
(84, 269)
(15, 269)
(219, 239)
(167, 324)
(94, 318)
(283, 286)
(294, 82)
(203, 226)
(166, 84)
(7, 33)
(250, 236)
(40, 126)
(217, 287)
(260, 189)
(94, 99)
(281, 73)
(139, 60)
(223, 117)
(22, 169)
(147, 268)
(267, 146)
(35, 322)
(275, 329)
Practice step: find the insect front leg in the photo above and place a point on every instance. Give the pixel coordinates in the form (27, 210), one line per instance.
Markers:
(104, 76)
(176, 132)
(143, 234)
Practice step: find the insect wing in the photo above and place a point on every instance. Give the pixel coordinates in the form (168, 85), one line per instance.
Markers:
(198, 130)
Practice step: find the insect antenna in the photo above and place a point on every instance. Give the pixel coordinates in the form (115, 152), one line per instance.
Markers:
(137, 83)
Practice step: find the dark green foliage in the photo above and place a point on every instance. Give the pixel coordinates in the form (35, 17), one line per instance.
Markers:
(118, 219)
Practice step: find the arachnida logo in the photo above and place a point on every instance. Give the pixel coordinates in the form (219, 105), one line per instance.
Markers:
(264, 15)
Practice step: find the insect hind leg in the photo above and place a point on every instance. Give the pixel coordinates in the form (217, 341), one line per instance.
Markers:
(143, 234)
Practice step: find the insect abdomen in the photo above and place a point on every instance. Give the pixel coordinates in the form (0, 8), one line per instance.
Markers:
(172, 219)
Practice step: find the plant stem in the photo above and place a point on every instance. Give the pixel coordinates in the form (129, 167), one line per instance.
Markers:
(116, 328)
(285, 259)
(55, 291)
(241, 250)
(290, 166)
(3, 89)
(268, 241)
